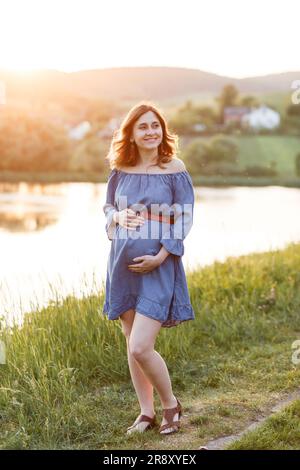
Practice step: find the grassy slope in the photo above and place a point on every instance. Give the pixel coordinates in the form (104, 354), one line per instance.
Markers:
(66, 383)
(263, 149)
(279, 432)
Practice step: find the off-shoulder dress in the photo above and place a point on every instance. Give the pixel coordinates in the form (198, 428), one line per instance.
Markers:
(161, 294)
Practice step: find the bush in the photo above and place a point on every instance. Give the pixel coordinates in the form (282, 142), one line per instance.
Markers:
(297, 162)
(216, 157)
(220, 168)
(258, 170)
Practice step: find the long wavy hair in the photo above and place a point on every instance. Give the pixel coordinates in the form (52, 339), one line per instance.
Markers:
(125, 153)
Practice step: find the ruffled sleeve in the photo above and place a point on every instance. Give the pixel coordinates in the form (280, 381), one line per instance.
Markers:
(110, 206)
(183, 209)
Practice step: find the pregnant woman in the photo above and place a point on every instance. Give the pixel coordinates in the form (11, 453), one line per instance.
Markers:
(149, 211)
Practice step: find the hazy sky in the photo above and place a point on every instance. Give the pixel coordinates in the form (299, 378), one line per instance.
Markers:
(235, 38)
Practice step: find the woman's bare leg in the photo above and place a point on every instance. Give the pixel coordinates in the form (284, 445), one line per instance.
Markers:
(141, 383)
(141, 345)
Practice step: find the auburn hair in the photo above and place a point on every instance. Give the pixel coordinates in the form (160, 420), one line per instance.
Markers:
(124, 153)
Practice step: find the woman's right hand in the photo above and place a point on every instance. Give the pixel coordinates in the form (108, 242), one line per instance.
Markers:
(128, 219)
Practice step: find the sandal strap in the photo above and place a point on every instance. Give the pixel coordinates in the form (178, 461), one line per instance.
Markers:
(169, 413)
(169, 425)
(142, 419)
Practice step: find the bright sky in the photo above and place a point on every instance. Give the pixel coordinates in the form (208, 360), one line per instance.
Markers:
(236, 38)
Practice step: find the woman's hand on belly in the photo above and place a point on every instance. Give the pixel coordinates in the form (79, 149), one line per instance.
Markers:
(128, 219)
(145, 264)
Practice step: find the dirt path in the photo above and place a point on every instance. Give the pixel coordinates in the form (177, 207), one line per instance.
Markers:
(222, 442)
(188, 437)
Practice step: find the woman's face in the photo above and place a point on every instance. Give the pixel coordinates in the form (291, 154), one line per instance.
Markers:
(147, 131)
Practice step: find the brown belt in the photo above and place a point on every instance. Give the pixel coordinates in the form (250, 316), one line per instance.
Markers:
(158, 217)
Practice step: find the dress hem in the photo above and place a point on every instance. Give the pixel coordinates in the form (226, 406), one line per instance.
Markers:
(143, 305)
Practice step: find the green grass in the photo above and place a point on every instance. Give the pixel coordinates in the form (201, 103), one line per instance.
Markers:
(279, 432)
(66, 383)
(262, 150)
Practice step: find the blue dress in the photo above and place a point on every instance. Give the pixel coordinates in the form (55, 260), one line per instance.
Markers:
(161, 294)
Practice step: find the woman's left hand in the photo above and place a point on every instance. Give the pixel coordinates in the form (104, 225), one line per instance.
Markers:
(147, 264)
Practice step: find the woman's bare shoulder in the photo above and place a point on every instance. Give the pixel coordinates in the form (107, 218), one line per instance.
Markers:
(176, 165)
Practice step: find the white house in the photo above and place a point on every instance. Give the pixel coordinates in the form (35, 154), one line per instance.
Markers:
(199, 127)
(262, 118)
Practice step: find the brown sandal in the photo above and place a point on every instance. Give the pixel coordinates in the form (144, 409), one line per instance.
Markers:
(142, 419)
(168, 414)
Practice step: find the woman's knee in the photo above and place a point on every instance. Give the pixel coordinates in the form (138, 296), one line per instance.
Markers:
(137, 349)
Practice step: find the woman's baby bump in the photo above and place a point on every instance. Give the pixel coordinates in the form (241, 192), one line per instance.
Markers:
(143, 240)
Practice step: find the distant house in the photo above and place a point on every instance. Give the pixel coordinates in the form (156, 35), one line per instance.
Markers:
(198, 127)
(78, 132)
(235, 114)
(261, 118)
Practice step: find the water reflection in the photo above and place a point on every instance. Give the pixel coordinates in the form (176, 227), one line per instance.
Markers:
(53, 241)
(29, 207)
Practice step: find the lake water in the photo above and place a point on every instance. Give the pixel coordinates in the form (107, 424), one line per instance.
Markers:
(53, 240)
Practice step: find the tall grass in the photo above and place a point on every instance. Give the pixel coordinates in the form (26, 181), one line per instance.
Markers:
(66, 382)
